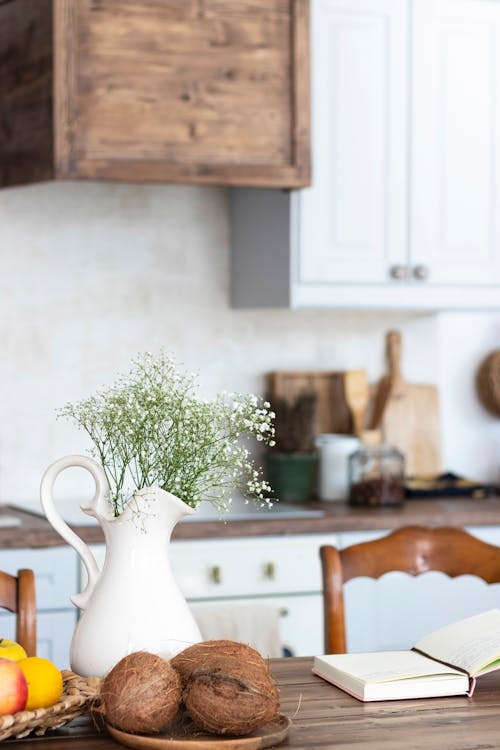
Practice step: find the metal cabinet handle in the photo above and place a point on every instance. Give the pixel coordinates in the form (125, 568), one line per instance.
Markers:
(398, 272)
(215, 574)
(270, 571)
(421, 272)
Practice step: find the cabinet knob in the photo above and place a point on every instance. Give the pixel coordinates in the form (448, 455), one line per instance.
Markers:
(270, 571)
(398, 272)
(421, 272)
(215, 574)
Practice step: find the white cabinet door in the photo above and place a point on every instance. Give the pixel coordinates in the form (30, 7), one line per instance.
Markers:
(352, 222)
(404, 208)
(455, 156)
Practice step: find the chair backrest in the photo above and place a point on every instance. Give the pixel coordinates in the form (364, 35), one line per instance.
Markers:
(17, 594)
(413, 550)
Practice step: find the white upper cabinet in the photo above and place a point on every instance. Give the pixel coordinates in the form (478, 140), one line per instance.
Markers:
(404, 208)
(353, 220)
(455, 175)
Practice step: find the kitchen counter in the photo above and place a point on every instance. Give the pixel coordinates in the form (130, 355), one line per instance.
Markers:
(32, 530)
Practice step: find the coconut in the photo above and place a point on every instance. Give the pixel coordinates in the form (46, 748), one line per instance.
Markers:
(226, 695)
(141, 694)
(194, 656)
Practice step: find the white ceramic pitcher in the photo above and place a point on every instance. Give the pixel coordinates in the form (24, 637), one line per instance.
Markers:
(134, 603)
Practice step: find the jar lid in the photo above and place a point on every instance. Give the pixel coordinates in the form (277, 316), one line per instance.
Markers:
(381, 451)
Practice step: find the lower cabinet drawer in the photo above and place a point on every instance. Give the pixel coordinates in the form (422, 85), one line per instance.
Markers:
(252, 566)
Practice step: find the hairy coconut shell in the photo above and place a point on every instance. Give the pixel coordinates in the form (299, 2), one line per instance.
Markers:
(194, 656)
(226, 695)
(141, 694)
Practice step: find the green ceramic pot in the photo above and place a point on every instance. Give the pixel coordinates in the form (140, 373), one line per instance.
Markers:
(291, 475)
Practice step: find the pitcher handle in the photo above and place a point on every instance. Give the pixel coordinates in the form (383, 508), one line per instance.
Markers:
(97, 507)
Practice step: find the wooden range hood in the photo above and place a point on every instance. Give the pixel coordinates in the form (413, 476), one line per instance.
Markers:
(193, 91)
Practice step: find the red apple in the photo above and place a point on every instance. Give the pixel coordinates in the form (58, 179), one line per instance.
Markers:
(13, 687)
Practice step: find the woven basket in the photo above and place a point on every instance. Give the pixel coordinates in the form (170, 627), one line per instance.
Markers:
(78, 695)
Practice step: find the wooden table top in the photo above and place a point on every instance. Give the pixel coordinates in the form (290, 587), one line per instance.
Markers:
(325, 717)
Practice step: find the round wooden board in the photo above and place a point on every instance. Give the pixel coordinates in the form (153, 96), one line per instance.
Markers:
(267, 736)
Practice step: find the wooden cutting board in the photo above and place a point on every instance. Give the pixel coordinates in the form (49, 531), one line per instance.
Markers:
(334, 414)
(410, 419)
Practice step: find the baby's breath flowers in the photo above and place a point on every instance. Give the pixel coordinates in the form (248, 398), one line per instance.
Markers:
(153, 429)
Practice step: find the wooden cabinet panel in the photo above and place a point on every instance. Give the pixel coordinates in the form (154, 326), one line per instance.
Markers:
(26, 148)
(199, 91)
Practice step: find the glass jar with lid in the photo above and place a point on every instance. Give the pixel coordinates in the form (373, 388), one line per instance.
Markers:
(376, 474)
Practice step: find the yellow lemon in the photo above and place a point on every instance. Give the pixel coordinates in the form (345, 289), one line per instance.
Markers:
(44, 680)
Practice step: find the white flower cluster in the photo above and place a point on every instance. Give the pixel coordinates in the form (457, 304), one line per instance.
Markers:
(152, 428)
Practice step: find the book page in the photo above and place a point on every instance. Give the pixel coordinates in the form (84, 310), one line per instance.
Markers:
(383, 666)
(472, 644)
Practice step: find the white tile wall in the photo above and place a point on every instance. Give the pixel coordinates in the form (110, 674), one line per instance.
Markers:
(91, 274)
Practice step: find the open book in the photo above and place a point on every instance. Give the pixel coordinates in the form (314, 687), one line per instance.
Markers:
(446, 662)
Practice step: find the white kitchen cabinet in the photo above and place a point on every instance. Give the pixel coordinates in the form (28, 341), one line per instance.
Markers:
(455, 156)
(281, 572)
(403, 208)
(352, 221)
(278, 571)
(57, 578)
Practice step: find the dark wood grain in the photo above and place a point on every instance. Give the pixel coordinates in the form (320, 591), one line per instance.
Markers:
(35, 531)
(325, 718)
(26, 145)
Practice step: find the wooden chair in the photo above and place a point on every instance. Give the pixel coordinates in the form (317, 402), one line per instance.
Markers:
(413, 550)
(17, 594)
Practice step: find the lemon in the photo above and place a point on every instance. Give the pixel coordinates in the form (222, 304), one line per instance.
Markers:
(44, 680)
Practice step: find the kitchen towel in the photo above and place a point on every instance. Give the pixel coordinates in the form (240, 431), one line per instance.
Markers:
(257, 625)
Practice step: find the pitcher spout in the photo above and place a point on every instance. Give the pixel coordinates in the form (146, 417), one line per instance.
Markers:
(154, 508)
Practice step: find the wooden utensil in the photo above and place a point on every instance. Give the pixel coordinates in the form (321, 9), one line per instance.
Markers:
(386, 382)
(357, 395)
(410, 416)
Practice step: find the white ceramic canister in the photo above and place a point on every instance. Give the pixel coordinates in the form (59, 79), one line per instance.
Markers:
(334, 452)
